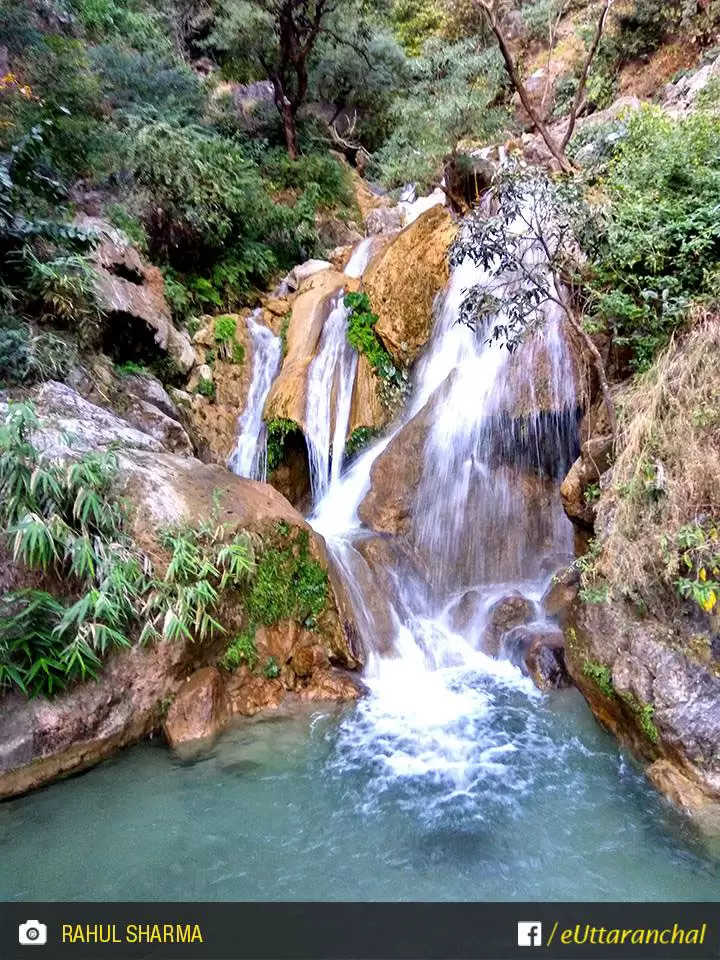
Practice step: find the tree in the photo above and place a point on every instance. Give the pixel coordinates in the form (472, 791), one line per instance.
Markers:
(276, 40)
(531, 247)
(491, 10)
(450, 98)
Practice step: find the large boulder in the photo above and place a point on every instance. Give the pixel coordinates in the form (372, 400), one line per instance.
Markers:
(503, 616)
(42, 740)
(73, 424)
(199, 710)
(403, 280)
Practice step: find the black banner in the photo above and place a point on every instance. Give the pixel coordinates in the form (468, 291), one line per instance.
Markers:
(359, 931)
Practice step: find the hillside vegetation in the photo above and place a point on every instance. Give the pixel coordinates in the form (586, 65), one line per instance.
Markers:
(227, 153)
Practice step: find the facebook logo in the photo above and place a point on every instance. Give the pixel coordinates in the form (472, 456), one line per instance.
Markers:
(530, 934)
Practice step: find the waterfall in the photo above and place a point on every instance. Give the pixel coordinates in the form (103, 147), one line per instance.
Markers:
(331, 379)
(249, 458)
(486, 522)
(361, 257)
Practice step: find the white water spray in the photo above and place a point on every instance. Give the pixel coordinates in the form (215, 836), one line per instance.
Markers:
(331, 379)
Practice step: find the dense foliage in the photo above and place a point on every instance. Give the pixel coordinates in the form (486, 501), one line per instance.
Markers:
(88, 589)
(451, 96)
(659, 246)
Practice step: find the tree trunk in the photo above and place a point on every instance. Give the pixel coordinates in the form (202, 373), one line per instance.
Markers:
(287, 115)
(290, 129)
(599, 367)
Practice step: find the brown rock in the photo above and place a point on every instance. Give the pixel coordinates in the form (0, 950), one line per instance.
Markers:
(367, 409)
(403, 280)
(465, 610)
(665, 703)
(288, 396)
(387, 506)
(42, 740)
(213, 423)
(278, 306)
(593, 461)
(331, 684)
(561, 594)
(685, 794)
(540, 652)
(138, 319)
(249, 694)
(506, 613)
(199, 710)
(306, 660)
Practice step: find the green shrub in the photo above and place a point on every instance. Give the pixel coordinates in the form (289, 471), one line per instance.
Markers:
(416, 21)
(241, 650)
(202, 565)
(329, 178)
(698, 546)
(288, 584)
(271, 670)
(278, 432)
(105, 19)
(360, 438)
(206, 388)
(601, 677)
(62, 522)
(66, 289)
(662, 237)
(225, 335)
(210, 206)
(361, 333)
(133, 81)
(15, 350)
(394, 383)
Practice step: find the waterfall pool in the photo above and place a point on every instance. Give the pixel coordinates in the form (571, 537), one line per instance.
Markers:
(470, 788)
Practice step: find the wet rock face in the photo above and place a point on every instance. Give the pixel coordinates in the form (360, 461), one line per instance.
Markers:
(395, 475)
(644, 684)
(288, 397)
(403, 280)
(539, 651)
(503, 616)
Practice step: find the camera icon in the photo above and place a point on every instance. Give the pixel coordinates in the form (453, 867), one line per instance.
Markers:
(32, 934)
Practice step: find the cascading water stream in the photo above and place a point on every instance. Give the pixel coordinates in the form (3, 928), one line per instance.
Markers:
(361, 257)
(249, 458)
(439, 706)
(331, 379)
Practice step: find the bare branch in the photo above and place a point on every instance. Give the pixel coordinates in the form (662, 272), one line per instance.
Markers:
(489, 8)
(591, 54)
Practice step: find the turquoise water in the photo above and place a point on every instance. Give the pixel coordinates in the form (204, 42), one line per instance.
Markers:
(491, 792)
